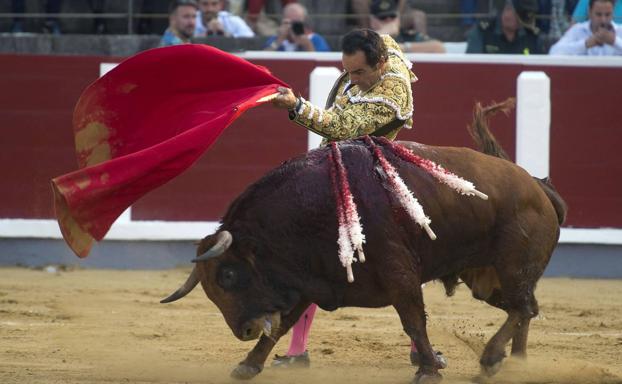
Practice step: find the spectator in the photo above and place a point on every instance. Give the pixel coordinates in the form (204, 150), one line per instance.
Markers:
(513, 31)
(384, 19)
(212, 19)
(51, 25)
(294, 34)
(580, 13)
(599, 36)
(181, 22)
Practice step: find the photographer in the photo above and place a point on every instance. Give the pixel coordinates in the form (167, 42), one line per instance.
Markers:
(599, 36)
(294, 34)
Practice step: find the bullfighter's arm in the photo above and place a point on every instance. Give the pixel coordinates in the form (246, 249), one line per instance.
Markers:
(356, 115)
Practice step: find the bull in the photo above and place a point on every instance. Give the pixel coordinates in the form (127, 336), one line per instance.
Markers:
(276, 250)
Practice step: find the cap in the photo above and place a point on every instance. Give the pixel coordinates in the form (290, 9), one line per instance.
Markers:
(383, 8)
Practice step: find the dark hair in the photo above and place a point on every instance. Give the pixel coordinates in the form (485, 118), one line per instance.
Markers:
(526, 10)
(613, 2)
(180, 3)
(367, 41)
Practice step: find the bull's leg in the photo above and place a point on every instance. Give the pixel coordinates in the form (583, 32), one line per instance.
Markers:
(254, 362)
(517, 299)
(494, 353)
(519, 342)
(409, 305)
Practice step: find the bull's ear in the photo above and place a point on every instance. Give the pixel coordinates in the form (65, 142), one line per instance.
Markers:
(205, 244)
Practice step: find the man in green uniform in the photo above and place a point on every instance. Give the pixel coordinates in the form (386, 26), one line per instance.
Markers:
(513, 32)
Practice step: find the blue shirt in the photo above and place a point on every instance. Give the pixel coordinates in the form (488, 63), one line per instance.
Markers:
(318, 42)
(169, 38)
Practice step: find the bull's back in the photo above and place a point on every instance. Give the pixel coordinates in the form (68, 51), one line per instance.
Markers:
(467, 226)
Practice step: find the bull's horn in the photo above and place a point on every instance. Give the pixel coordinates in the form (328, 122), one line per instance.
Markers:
(223, 241)
(185, 289)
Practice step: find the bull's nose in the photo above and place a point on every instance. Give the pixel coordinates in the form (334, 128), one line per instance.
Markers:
(250, 331)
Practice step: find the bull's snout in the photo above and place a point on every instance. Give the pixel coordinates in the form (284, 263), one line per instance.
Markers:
(266, 324)
(251, 330)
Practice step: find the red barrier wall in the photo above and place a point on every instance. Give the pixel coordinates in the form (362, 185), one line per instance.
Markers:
(38, 94)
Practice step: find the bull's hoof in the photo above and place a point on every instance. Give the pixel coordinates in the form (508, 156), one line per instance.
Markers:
(427, 378)
(245, 372)
(491, 370)
(415, 359)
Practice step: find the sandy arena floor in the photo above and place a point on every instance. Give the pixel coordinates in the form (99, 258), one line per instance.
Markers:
(103, 326)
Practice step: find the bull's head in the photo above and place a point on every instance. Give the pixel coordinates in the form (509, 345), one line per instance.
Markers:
(231, 280)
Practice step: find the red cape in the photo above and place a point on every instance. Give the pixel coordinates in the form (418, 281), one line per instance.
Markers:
(144, 123)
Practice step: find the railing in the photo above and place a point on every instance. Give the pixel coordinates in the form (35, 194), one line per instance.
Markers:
(130, 15)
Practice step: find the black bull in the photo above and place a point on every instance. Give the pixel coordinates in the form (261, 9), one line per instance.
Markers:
(276, 250)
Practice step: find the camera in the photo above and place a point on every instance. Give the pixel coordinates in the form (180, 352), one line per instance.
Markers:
(298, 28)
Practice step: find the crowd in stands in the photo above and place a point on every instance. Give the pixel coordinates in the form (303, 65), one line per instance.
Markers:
(558, 27)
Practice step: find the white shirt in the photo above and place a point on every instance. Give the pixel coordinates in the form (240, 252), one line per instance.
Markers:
(573, 42)
(233, 25)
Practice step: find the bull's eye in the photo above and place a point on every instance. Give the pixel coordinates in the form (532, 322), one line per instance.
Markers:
(227, 278)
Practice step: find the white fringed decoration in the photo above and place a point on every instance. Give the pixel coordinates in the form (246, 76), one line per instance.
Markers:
(405, 196)
(346, 252)
(350, 232)
(350, 236)
(302, 107)
(311, 111)
(452, 180)
(456, 182)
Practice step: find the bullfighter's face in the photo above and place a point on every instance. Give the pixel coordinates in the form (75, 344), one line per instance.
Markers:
(248, 303)
(361, 73)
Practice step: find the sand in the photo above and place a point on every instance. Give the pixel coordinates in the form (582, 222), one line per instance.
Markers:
(105, 326)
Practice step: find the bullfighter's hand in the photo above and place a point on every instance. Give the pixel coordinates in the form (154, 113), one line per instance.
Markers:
(285, 99)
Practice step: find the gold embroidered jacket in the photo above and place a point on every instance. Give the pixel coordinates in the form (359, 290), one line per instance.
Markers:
(354, 113)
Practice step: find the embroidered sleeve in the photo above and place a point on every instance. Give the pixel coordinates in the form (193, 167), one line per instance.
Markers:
(356, 115)
(339, 124)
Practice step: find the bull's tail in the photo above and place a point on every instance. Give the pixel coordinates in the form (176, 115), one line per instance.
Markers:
(484, 139)
(487, 144)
